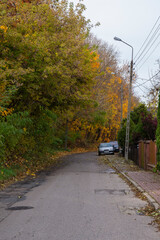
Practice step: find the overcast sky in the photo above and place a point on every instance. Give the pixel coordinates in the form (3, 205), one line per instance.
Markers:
(132, 21)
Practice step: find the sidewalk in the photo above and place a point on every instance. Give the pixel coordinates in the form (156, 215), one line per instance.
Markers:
(147, 182)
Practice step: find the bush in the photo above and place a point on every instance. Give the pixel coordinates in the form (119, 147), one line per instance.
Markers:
(142, 126)
(28, 137)
(43, 133)
(12, 131)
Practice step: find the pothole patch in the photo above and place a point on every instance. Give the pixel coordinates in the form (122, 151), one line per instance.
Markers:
(20, 208)
(111, 191)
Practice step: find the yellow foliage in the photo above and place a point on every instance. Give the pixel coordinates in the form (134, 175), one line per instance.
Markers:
(27, 35)
(4, 28)
(108, 69)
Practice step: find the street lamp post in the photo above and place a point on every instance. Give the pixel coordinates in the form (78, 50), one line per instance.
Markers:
(129, 100)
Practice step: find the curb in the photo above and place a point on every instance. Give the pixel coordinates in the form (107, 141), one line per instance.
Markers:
(150, 199)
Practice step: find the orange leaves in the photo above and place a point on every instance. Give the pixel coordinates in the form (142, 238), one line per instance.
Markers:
(95, 60)
(6, 112)
(119, 80)
(95, 65)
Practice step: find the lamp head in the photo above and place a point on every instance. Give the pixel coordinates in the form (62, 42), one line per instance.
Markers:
(117, 39)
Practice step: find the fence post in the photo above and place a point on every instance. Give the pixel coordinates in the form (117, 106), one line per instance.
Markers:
(147, 154)
(155, 152)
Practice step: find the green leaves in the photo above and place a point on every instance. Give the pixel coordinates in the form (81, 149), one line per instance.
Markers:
(142, 126)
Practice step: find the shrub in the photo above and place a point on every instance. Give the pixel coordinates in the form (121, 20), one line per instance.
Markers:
(13, 129)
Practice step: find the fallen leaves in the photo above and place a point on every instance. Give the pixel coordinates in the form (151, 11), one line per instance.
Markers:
(27, 168)
(149, 210)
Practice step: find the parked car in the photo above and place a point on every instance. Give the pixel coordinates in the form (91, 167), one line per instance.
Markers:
(105, 148)
(115, 145)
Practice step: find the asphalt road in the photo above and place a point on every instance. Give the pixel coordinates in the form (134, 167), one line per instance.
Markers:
(81, 201)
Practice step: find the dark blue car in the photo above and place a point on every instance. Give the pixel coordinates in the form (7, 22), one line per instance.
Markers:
(115, 145)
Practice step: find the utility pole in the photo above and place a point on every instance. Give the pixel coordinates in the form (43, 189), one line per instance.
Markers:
(129, 100)
(129, 110)
(121, 103)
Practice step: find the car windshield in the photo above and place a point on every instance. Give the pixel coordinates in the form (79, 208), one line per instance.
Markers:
(115, 143)
(105, 145)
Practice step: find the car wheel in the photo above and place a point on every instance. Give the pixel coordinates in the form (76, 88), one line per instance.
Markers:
(99, 153)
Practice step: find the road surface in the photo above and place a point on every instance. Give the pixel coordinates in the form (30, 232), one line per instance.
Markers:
(81, 201)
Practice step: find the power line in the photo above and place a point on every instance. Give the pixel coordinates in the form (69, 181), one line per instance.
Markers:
(147, 80)
(150, 42)
(141, 83)
(149, 56)
(154, 75)
(149, 50)
(147, 38)
(142, 91)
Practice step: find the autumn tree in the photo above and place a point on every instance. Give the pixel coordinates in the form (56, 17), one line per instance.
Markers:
(46, 67)
(111, 89)
(102, 121)
(53, 69)
(44, 54)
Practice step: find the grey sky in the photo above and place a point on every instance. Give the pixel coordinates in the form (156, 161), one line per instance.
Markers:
(130, 20)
